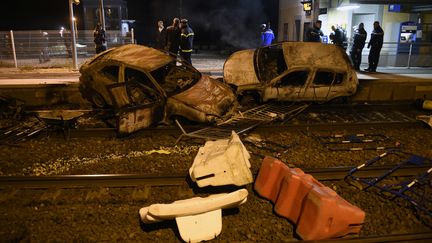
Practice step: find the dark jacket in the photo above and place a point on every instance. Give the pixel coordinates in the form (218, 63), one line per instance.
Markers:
(359, 39)
(313, 35)
(173, 39)
(99, 37)
(186, 39)
(377, 38)
(337, 37)
(161, 38)
(267, 37)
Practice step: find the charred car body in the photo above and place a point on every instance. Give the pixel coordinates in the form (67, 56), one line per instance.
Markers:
(291, 71)
(145, 86)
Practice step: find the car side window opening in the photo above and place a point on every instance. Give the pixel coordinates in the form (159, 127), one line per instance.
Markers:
(111, 72)
(175, 79)
(326, 78)
(139, 87)
(296, 78)
(271, 62)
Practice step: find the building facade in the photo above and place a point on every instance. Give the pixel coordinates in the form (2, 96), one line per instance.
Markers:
(395, 19)
(115, 13)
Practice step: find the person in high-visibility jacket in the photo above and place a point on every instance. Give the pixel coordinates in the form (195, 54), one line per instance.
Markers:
(186, 41)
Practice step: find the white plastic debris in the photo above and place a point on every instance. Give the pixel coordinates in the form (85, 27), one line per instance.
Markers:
(197, 218)
(222, 162)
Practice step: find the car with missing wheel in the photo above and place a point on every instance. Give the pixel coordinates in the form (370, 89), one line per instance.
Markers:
(291, 71)
(145, 86)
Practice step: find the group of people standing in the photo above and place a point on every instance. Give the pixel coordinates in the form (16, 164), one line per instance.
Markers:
(375, 44)
(177, 38)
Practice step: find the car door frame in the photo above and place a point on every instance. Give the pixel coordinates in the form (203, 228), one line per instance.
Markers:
(271, 92)
(329, 92)
(133, 117)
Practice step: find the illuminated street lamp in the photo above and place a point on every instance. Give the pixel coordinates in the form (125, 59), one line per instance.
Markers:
(72, 23)
(76, 28)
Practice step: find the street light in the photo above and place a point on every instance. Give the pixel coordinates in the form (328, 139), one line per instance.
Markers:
(76, 28)
(72, 23)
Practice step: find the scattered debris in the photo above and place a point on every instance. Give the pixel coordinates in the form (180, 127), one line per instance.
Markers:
(351, 142)
(411, 190)
(11, 108)
(426, 119)
(12, 135)
(246, 121)
(197, 218)
(222, 162)
(278, 148)
(318, 212)
(62, 120)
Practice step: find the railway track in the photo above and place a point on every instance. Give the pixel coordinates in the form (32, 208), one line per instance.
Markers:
(319, 118)
(410, 237)
(181, 178)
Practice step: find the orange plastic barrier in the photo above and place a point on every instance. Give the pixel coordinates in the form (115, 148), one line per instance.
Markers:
(316, 209)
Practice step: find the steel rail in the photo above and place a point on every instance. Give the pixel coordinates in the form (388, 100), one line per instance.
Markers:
(408, 237)
(172, 130)
(176, 179)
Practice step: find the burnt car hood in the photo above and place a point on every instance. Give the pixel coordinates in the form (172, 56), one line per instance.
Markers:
(208, 96)
(239, 68)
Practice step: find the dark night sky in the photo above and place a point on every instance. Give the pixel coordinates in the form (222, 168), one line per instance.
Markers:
(214, 21)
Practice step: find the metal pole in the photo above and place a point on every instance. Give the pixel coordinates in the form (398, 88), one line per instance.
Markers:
(409, 56)
(315, 10)
(133, 35)
(72, 23)
(13, 48)
(102, 13)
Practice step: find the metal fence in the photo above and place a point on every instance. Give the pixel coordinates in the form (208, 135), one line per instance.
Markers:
(396, 54)
(51, 47)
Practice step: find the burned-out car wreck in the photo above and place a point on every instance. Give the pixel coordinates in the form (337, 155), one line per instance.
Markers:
(145, 86)
(291, 71)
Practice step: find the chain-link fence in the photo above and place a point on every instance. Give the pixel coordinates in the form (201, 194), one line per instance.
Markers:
(51, 48)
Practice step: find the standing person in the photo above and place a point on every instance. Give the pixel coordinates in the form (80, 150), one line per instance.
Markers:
(99, 38)
(375, 45)
(314, 34)
(44, 53)
(358, 45)
(267, 35)
(186, 41)
(337, 36)
(173, 34)
(160, 35)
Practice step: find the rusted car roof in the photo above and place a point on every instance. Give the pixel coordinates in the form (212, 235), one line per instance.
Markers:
(313, 54)
(145, 58)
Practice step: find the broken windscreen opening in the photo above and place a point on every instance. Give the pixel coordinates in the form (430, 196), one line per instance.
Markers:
(175, 79)
(270, 62)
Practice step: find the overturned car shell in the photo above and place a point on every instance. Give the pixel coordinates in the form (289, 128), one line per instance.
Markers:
(273, 72)
(144, 86)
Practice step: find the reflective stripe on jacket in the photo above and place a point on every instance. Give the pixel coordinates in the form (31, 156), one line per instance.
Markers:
(186, 41)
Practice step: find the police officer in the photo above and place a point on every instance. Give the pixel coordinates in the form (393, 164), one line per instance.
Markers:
(267, 35)
(99, 38)
(314, 34)
(337, 36)
(358, 45)
(375, 45)
(186, 41)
